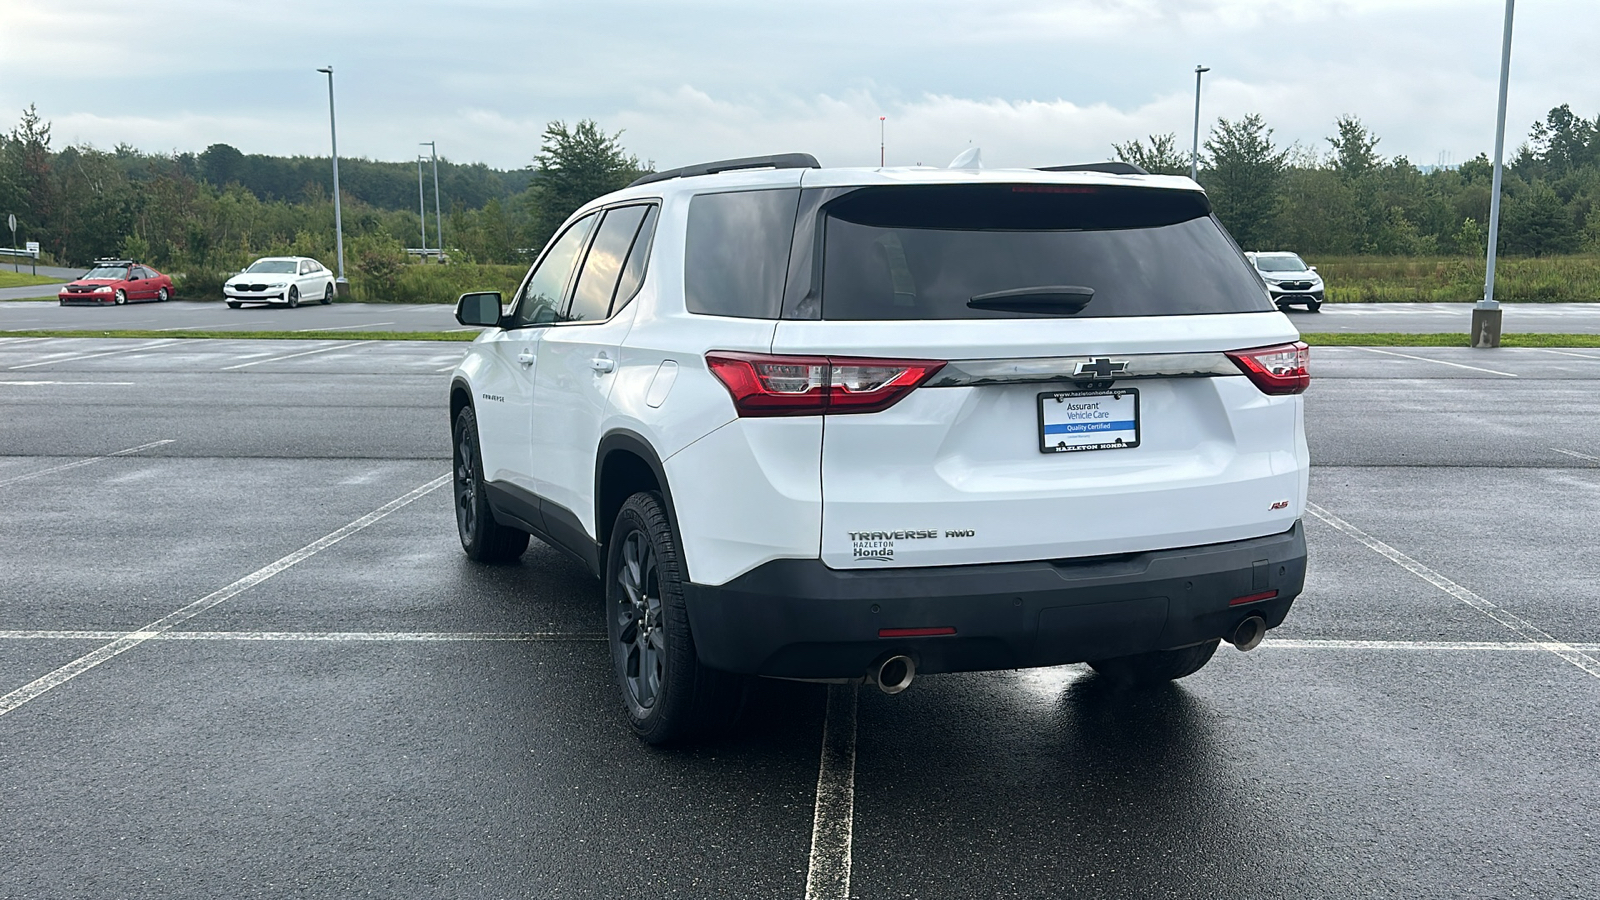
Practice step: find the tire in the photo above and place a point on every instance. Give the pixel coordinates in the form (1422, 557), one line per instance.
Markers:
(234, 304)
(1314, 305)
(162, 296)
(1159, 667)
(294, 297)
(327, 295)
(120, 298)
(666, 693)
(484, 539)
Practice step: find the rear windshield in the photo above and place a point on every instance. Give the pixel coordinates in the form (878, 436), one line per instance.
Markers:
(946, 252)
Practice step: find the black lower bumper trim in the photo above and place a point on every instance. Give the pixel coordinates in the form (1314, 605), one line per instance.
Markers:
(795, 618)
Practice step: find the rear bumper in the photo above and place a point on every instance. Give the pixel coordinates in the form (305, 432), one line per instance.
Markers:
(797, 618)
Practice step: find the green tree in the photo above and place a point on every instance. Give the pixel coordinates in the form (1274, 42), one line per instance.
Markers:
(1161, 157)
(1243, 173)
(575, 165)
(1537, 223)
(31, 173)
(1354, 149)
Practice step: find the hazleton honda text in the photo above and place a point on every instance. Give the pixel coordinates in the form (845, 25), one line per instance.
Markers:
(842, 423)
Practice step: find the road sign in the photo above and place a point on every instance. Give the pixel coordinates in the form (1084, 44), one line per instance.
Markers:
(11, 221)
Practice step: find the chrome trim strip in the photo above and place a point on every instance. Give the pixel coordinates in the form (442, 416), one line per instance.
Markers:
(973, 372)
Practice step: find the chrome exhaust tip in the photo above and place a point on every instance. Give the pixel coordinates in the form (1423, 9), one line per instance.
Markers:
(894, 674)
(1249, 633)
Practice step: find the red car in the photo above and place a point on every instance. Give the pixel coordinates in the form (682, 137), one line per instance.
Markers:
(117, 281)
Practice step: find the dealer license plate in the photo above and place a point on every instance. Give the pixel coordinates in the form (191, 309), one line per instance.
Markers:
(1088, 420)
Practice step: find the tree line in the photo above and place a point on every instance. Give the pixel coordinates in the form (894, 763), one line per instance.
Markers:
(1348, 199)
(214, 211)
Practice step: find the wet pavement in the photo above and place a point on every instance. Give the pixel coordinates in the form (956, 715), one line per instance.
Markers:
(381, 717)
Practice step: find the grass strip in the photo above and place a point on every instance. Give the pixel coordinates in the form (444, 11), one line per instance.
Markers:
(255, 335)
(10, 279)
(1452, 339)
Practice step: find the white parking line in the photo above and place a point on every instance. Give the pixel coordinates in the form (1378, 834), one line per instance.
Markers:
(342, 327)
(832, 824)
(1567, 353)
(47, 362)
(38, 383)
(317, 636)
(1439, 361)
(82, 462)
(257, 362)
(1510, 620)
(1493, 646)
(1575, 453)
(166, 623)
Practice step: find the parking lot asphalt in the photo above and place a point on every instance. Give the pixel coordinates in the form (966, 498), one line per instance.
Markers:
(1408, 318)
(290, 682)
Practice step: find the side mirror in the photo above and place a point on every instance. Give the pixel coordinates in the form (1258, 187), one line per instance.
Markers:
(481, 308)
(1311, 268)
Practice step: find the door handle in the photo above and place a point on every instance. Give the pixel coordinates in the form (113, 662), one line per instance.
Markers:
(526, 357)
(602, 364)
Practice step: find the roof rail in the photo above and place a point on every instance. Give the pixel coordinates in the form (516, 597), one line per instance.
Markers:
(775, 161)
(1110, 168)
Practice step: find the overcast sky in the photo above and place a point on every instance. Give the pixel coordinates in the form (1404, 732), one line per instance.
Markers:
(1030, 82)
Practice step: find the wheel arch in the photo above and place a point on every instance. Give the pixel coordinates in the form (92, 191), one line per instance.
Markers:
(460, 398)
(626, 464)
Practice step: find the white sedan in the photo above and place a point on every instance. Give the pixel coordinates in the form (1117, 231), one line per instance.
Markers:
(280, 280)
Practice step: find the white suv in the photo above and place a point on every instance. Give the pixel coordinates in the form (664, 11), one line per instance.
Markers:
(829, 424)
(1290, 282)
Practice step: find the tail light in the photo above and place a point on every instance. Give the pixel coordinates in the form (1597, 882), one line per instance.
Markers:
(1280, 369)
(764, 384)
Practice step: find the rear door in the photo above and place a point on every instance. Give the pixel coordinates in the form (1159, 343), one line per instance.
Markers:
(1085, 406)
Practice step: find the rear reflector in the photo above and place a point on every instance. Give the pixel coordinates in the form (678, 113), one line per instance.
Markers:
(1280, 369)
(764, 384)
(914, 632)
(1252, 598)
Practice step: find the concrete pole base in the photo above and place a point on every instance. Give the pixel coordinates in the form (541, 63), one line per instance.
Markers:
(1486, 328)
(341, 288)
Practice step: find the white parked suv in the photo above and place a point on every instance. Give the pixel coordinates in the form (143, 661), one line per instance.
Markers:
(1290, 282)
(830, 424)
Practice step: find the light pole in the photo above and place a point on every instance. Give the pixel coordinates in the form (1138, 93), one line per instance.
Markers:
(422, 211)
(338, 221)
(1486, 315)
(881, 156)
(1194, 154)
(438, 218)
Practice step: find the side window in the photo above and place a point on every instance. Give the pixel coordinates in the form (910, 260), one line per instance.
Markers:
(142, 274)
(597, 281)
(736, 252)
(633, 272)
(539, 302)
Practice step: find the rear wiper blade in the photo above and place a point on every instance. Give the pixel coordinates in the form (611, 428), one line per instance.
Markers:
(1048, 298)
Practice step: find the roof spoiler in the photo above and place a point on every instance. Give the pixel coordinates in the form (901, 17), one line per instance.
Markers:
(775, 161)
(1110, 168)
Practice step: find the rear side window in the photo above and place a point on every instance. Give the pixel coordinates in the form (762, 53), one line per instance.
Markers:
(597, 281)
(736, 252)
(633, 272)
(1029, 251)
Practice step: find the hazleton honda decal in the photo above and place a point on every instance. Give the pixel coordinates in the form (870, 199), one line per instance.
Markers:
(879, 545)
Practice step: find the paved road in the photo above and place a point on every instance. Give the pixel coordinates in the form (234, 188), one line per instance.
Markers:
(1413, 318)
(37, 290)
(372, 714)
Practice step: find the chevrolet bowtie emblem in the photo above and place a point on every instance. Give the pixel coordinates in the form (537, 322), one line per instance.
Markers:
(1101, 367)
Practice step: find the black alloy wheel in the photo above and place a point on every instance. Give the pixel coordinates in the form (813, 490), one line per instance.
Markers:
(294, 297)
(327, 295)
(120, 298)
(666, 692)
(482, 537)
